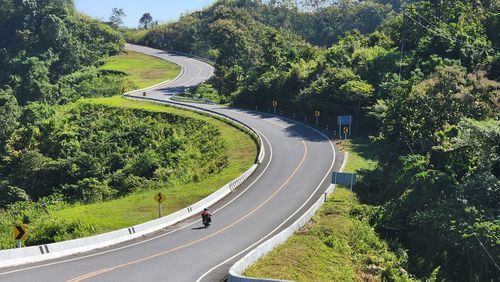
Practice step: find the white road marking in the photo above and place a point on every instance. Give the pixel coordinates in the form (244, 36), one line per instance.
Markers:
(156, 237)
(279, 226)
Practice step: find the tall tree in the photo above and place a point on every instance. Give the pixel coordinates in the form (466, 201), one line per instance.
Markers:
(146, 21)
(116, 18)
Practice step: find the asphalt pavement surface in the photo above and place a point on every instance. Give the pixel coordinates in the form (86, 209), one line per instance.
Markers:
(294, 174)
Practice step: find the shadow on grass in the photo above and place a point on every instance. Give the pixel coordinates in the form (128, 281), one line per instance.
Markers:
(364, 148)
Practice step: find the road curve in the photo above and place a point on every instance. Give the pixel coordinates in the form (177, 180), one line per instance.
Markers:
(294, 173)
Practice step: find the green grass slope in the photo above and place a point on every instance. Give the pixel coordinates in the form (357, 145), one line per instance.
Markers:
(142, 70)
(338, 244)
(140, 207)
(52, 219)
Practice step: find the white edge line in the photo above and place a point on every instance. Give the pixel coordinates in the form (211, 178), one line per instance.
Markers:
(279, 226)
(167, 82)
(164, 83)
(156, 237)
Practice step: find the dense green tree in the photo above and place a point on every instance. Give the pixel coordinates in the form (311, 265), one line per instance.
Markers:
(11, 194)
(146, 21)
(451, 197)
(90, 153)
(43, 41)
(443, 99)
(10, 112)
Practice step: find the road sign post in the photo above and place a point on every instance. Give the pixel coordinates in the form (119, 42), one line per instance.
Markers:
(344, 120)
(317, 114)
(20, 233)
(160, 198)
(275, 104)
(346, 131)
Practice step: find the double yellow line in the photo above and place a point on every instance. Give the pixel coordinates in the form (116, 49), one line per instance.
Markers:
(282, 186)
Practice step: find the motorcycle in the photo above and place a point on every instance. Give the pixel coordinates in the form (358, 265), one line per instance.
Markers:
(206, 221)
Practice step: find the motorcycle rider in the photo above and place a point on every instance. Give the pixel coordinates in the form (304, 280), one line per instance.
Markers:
(206, 215)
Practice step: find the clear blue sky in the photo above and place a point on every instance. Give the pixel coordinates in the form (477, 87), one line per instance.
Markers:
(161, 10)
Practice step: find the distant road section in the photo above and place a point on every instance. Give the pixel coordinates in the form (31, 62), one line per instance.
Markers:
(193, 72)
(295, 172)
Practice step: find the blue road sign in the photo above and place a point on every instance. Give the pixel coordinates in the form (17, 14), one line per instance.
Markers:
(342, 178)
(344, 120)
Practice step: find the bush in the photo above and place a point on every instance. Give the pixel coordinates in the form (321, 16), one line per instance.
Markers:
(90, 153)
(207, 91)
(49, 230)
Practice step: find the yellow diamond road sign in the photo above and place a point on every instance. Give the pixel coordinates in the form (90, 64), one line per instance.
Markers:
(20, 232)
(160, 197)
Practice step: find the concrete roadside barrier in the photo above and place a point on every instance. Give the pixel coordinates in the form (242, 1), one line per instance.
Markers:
(236, 271)
(33, 254)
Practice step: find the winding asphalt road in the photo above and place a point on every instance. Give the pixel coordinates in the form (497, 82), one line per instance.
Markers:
(294, 173)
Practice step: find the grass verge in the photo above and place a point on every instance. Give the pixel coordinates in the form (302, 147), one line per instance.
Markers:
(142, 70)
(338, 244)
(140, 206)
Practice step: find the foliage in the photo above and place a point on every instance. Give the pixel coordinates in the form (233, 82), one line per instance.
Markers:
(146, 21)
(92, 153)
(338, 244)
(42, 228)
(44, 41)
(449, 195)
(10, 112)
(138, 206)
(116, 18)
(444, 98)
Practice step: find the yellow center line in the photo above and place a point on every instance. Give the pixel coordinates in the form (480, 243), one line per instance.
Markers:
(104, 270)
(88, 275)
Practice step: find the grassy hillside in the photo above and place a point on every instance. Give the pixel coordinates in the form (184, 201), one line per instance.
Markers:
(140, 207)
(95, 165)
(142, 70)
(54, 219)
(338, 244)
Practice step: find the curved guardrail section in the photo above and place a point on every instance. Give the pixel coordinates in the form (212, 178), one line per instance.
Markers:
(229, 119)
(16, 257)
(27, 255)
(235, 272)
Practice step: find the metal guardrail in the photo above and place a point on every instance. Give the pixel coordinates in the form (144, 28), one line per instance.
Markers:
(210, 112)
(178, 98)
(33, 254)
